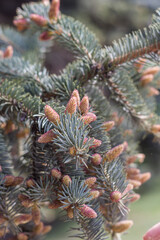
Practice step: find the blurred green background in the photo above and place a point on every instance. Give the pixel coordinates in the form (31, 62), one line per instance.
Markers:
(109, 19)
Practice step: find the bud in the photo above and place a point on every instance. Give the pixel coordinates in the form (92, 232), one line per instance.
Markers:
(45, 36)
(96, 143)
(38, 228)
(146, 79)
(153, 233)
(8, 53)
(39, 20)
(22, 236)
(155, 128)
(134, 197)
(152, 92)
(122, 226)
(94, 194)
(84, 105)
(135, 183)
(46, 229)
(71, 105)
(87, 211)
(56, 173)
(46, 137)
(140, 157)
(51, 114)
(113, 153)
(88, 118)
(54, 10)
(9, 180)
(108, 125)
(66, 180)
(72, 151)
(75, 94)
(151, 70)
(25, 201)
(17, 181)
(21, 24)
(143, 177)
(55, 204)
(70, 213)
(96, 159)
(90, 181)
(36, 214)
(127, 189)
(30, 183)
(125, 144)
(132, 171)
(115, 196)
(22, 219)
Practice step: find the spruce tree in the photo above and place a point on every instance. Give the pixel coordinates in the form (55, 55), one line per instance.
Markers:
(70, 141)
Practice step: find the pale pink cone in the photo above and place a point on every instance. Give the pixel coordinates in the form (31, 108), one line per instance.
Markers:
(88, 118)
(113, 153)
(8, 53)
(54, 10)
(108, 125)
(115, 196)
(51, 114)
(46, 137)
(153, 233)
(84, 105)
(75, 93)
(87, 211)
(39, 20)
(71, 105)
(96, 159)
(21, 24)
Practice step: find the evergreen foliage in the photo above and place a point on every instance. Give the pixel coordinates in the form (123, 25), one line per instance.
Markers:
(68, 141)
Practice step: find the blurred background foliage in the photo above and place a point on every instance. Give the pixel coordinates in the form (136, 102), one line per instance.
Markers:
(109, 19)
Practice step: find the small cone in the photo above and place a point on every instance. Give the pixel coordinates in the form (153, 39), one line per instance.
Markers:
(17, 181)
(134, 197)
(56, 173)
(88, 118)
(122, 226)
(84, 105)
(8, 53)
(153, 233)
(155, 128)
(113, 153)
(46, 137)
(51, 114)
(71, 105)
(132, 171)
(21, 24)
(140, 157)
(39, 20)
(87, 211)
(135, 183)
(22, 219)
(90, 181)
(66, 180)
(25, 201)
(127, 189)
(75, 94)
(96, 159)
(38, 228)
(46, 229)
(94, 194)
(144, 177)
(107, 126)
(115, 196)
(70, 213)
(96, 143)
(55, 204)
(9, 180)
(22, 236)
(151, 70)
(45, 36)
(36, 216)
(146, 79)
(30, 183)
(152, 92)
(54, 10)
